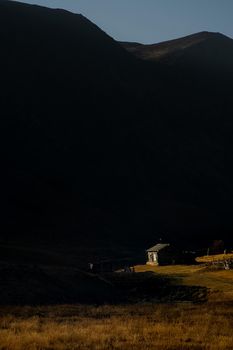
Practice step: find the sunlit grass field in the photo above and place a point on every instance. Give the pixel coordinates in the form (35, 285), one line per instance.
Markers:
(213, 258)
(161, 326)
(142, 325)
(216, 280)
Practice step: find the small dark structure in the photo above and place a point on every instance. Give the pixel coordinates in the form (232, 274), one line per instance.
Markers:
(157, 253)
(166, 254)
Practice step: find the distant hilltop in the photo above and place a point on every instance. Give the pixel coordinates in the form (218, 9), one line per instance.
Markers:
(200, 46)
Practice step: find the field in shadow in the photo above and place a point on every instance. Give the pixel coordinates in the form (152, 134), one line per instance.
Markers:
(43, 285)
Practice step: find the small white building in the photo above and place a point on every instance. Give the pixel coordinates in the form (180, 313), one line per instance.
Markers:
(153, 253)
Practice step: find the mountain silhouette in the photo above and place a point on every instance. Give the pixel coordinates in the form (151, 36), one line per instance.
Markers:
(102, 148)
(198, 50)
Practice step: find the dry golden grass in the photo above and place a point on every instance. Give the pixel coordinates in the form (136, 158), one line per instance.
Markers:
(213, 258)
(170, 269)
(180, 327)
(196, 275)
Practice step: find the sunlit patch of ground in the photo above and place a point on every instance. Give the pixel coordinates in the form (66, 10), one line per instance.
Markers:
(213, 258)
(217, 281)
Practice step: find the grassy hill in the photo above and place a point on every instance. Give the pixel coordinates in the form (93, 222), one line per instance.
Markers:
(218, 282)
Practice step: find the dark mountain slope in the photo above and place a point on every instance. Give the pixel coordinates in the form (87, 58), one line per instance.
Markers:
(166, 48)
(200, 50)
(99, 148)
(68, 97)
(40, 44)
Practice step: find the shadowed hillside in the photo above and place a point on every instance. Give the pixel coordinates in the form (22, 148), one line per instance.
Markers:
(202, 50)
(102, 149)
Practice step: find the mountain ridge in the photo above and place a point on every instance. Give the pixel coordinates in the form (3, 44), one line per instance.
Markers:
(103, 149)
(172, 51)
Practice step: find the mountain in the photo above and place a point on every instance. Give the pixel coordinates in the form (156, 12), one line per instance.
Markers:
(40, 43)
(104, 151)
(67, 91)
(202, 50)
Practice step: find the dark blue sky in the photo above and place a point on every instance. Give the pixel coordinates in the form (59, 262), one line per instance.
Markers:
(151, 21)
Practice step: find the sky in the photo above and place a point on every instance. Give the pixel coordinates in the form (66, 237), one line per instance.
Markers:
(151, 21)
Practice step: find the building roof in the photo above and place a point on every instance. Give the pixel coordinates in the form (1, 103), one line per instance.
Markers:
(158, 247)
